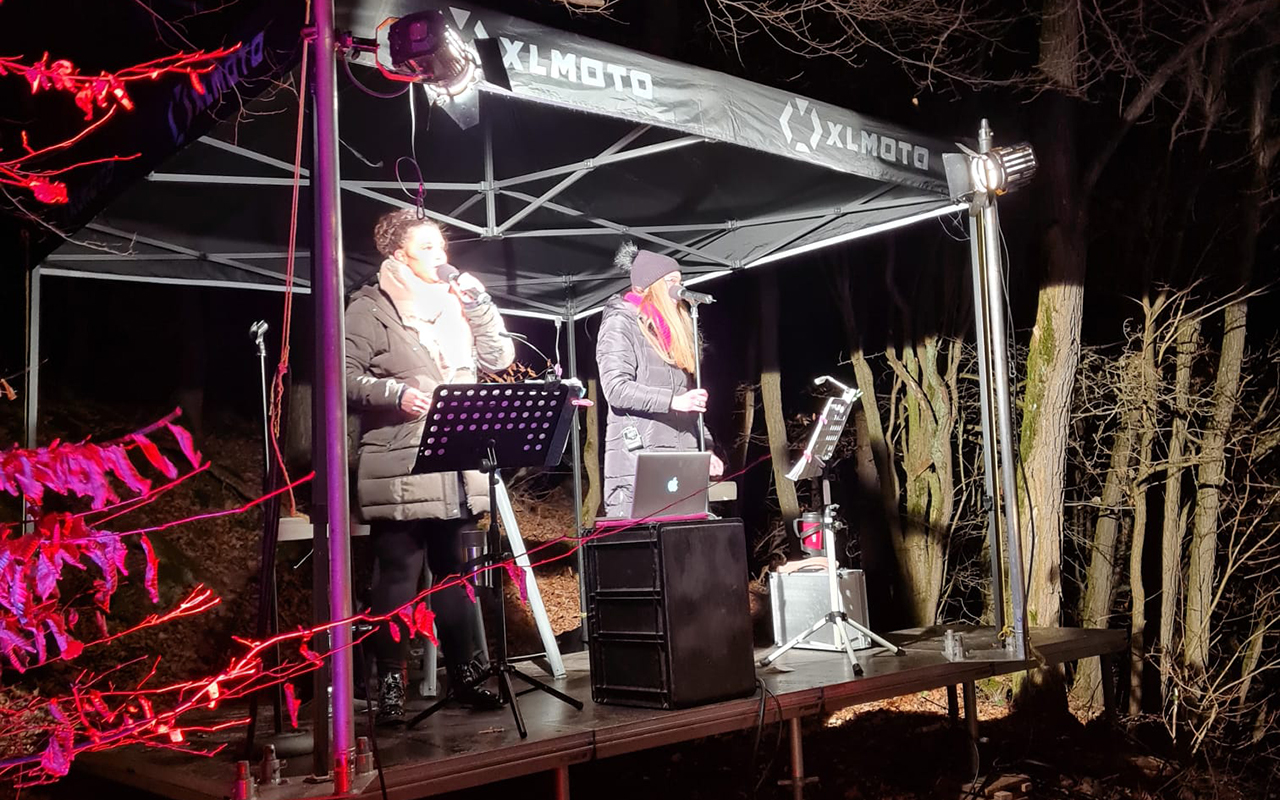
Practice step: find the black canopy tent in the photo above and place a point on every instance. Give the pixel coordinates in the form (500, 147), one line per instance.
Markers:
(592, 143)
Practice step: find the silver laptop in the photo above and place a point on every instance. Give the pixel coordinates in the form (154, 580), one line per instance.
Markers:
(671, 484)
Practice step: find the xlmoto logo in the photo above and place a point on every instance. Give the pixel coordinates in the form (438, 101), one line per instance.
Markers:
(804, 131)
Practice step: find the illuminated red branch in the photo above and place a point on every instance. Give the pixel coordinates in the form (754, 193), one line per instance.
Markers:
(105, 93)
(98, 716)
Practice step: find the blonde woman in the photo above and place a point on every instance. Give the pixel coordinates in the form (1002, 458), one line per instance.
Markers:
(645, 356)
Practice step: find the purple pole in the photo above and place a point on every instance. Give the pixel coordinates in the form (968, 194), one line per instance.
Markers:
(327, 288)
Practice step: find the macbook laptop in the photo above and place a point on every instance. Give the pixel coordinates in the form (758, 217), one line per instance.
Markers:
(671, 484)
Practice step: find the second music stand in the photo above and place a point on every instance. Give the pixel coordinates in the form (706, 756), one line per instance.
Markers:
(812, 464)
(488, 426)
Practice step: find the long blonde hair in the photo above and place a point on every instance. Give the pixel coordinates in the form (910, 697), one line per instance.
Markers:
(667, 326)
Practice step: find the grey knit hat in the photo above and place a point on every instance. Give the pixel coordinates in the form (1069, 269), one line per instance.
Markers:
(647, 268)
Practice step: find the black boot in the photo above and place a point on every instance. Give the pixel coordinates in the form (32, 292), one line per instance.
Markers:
(391, 698)
(465, 683)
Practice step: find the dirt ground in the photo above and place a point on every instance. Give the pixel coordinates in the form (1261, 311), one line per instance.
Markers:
(900, 749)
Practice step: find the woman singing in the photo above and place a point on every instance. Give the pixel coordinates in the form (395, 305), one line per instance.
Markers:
(408, 332)
(645, 356)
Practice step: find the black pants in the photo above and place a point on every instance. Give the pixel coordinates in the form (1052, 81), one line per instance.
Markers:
(399, 549)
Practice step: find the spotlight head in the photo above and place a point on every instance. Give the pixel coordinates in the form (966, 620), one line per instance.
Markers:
(1001, 170)
(426, 45)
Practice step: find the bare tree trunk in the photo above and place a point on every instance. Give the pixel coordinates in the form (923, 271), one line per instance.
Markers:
(1174, 526)
(1138, 499)
(749, 396)
(771, 396)
(1099, 590)
(927, 449)
(886, 478)
(591, 454)
(1055, 340)
(1212, 468)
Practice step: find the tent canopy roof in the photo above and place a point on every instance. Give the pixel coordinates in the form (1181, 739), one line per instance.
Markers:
(594, 143)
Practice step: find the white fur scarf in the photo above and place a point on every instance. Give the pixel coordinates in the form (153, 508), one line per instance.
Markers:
(434, 313)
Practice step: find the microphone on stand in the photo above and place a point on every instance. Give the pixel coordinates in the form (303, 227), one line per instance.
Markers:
(258, 330)
(691, 297)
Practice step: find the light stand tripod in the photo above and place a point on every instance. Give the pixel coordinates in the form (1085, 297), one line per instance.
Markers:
(813, 462)
(484, 426)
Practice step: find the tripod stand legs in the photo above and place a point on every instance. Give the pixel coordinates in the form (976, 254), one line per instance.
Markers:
(833, 618)
(503, 671)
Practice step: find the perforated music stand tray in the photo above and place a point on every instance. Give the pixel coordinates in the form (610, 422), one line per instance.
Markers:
(824, 438)
(492, 426)
(525, 424)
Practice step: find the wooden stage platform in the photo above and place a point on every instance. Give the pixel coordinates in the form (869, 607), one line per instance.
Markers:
(456, 748)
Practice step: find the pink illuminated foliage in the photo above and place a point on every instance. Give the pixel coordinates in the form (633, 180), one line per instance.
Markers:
(38, 625)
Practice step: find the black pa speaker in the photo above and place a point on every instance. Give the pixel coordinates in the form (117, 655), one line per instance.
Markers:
(668, 622)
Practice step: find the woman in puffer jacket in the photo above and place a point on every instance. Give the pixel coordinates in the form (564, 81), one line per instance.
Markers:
(406, 333)
(645, 357)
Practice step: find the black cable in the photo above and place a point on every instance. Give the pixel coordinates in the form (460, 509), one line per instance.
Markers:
(777, 745)
(755, 745)
(420, 198)
(1022, 469)
(346, 64)
(370, 719)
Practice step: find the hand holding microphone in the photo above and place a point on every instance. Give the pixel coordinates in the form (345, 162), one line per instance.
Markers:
(465, 286)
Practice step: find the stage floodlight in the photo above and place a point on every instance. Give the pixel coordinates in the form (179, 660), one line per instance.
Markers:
(425, 45)
(1001, 170)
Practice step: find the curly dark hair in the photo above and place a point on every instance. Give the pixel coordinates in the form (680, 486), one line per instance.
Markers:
(393, 228)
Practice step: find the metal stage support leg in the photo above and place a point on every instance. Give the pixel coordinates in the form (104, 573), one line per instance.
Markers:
(798, 779)
(1108, 687)
(953, 705)
(971, 722)
(555, 665)
(562, 782)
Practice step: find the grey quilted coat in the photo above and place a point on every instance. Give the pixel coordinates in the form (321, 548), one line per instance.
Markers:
(638, 386)
(383, 356)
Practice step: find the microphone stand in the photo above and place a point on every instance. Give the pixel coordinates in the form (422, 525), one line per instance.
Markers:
(697, 372)
(552, 371)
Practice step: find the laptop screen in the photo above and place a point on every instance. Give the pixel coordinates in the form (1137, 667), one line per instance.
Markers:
(670, 484)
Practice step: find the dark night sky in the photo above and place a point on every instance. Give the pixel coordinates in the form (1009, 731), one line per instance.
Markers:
(130, 342)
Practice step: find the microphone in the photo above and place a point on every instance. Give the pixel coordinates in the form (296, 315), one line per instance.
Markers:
(691, 297)
(258, 330)
(449, 274)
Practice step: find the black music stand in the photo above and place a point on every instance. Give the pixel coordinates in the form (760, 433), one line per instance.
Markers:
(488, 426)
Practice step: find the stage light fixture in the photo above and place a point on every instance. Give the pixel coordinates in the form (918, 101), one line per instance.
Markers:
(1001, 170)
(425, 45)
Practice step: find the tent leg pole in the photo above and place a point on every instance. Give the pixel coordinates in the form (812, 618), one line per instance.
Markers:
(577, 479)
(32, 410)
(327, 285)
